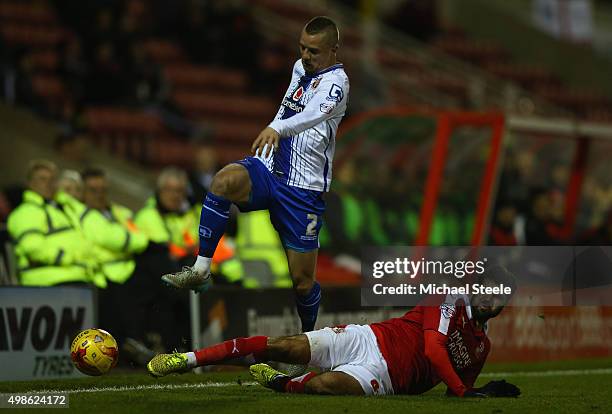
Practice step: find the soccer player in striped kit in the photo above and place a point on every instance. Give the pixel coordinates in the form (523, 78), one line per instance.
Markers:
(290, 171)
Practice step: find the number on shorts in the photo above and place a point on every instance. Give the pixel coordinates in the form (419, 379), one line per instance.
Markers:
(311, 229)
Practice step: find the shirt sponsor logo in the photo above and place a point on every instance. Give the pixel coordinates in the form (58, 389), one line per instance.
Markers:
(335, 94)
(298, 93)
(458, 351)
(327, 108)
(295, 107)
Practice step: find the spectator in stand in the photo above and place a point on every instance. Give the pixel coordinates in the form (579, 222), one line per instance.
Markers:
(119, 248)
(502, 228)
(73, 67)
(50, 248)
(205, 167)
(600, 235)
(168, 219)
(71, 183)
(106, 82)
(196, 31)
(104, 29)
(517, 179)
(5, 207)
(24, 93)
(537, 227)
(147, 86)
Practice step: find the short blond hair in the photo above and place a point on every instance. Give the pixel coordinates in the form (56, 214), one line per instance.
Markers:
(40, 164)
(171, 173)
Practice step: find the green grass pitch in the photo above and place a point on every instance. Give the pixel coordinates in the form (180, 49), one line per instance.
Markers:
(562, 387)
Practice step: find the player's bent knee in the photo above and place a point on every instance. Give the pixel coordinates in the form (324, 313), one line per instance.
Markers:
(318, 385)
(231, 182)
(289, 349)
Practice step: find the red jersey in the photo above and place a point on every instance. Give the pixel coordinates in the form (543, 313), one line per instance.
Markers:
(436, 341)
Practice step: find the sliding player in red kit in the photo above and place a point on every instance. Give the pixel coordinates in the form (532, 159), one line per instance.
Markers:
(442, 340)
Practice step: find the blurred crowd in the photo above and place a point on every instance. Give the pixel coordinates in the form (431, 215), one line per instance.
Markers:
(65, 230)
(102, 58)
(532, 201)
(376, 200)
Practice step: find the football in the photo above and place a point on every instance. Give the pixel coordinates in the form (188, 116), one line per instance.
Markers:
(94, 352)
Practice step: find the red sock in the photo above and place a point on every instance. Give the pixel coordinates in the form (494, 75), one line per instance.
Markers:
(231, 349)
(297, 385)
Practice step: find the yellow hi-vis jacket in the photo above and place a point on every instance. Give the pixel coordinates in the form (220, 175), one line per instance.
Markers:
(180, 231)
(257, 240)
(115, 238)
(49, 248)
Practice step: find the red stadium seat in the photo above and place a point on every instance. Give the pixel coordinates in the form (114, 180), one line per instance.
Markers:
(479, 51)
(117, 121)
(396, 60)
(294, 11)
(26, 12)
(44, 60)
(163, 51)
(577, 99)
(32, 35)
(234, 130)
(187, 76)
(241, 106)
(48, 87)
(527, 75)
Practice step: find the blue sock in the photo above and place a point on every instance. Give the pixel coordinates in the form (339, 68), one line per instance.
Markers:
(308, 307)
(213, 219)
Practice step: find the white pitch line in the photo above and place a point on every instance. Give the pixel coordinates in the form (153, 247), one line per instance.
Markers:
(551, 373)
(145, 387)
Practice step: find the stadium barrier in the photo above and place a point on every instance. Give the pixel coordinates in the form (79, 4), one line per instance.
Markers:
(36, 329)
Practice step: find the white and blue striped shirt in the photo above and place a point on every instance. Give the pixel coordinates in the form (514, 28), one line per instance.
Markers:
(307, 122)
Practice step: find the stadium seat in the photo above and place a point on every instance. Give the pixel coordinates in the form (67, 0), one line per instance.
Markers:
(188, 76)
(294, 12)
(231, 130)
(244, 106)
(26, 12)
(527, 75)
(44, 60)
(478, 51)
(118, 121)
(16, 34)
(48, 87)
(394, 59)
(163, 51)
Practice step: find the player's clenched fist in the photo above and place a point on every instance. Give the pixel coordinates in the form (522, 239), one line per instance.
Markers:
(268, 136)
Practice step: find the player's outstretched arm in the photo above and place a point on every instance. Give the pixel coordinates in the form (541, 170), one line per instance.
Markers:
(437, 353)
(267, 137)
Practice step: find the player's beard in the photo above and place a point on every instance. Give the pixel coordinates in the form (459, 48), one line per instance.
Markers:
(308, 68)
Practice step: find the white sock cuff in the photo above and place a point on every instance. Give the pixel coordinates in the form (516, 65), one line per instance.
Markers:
(192, 361)
(202, 264)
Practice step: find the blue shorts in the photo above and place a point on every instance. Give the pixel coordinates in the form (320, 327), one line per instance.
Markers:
(295, 213)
